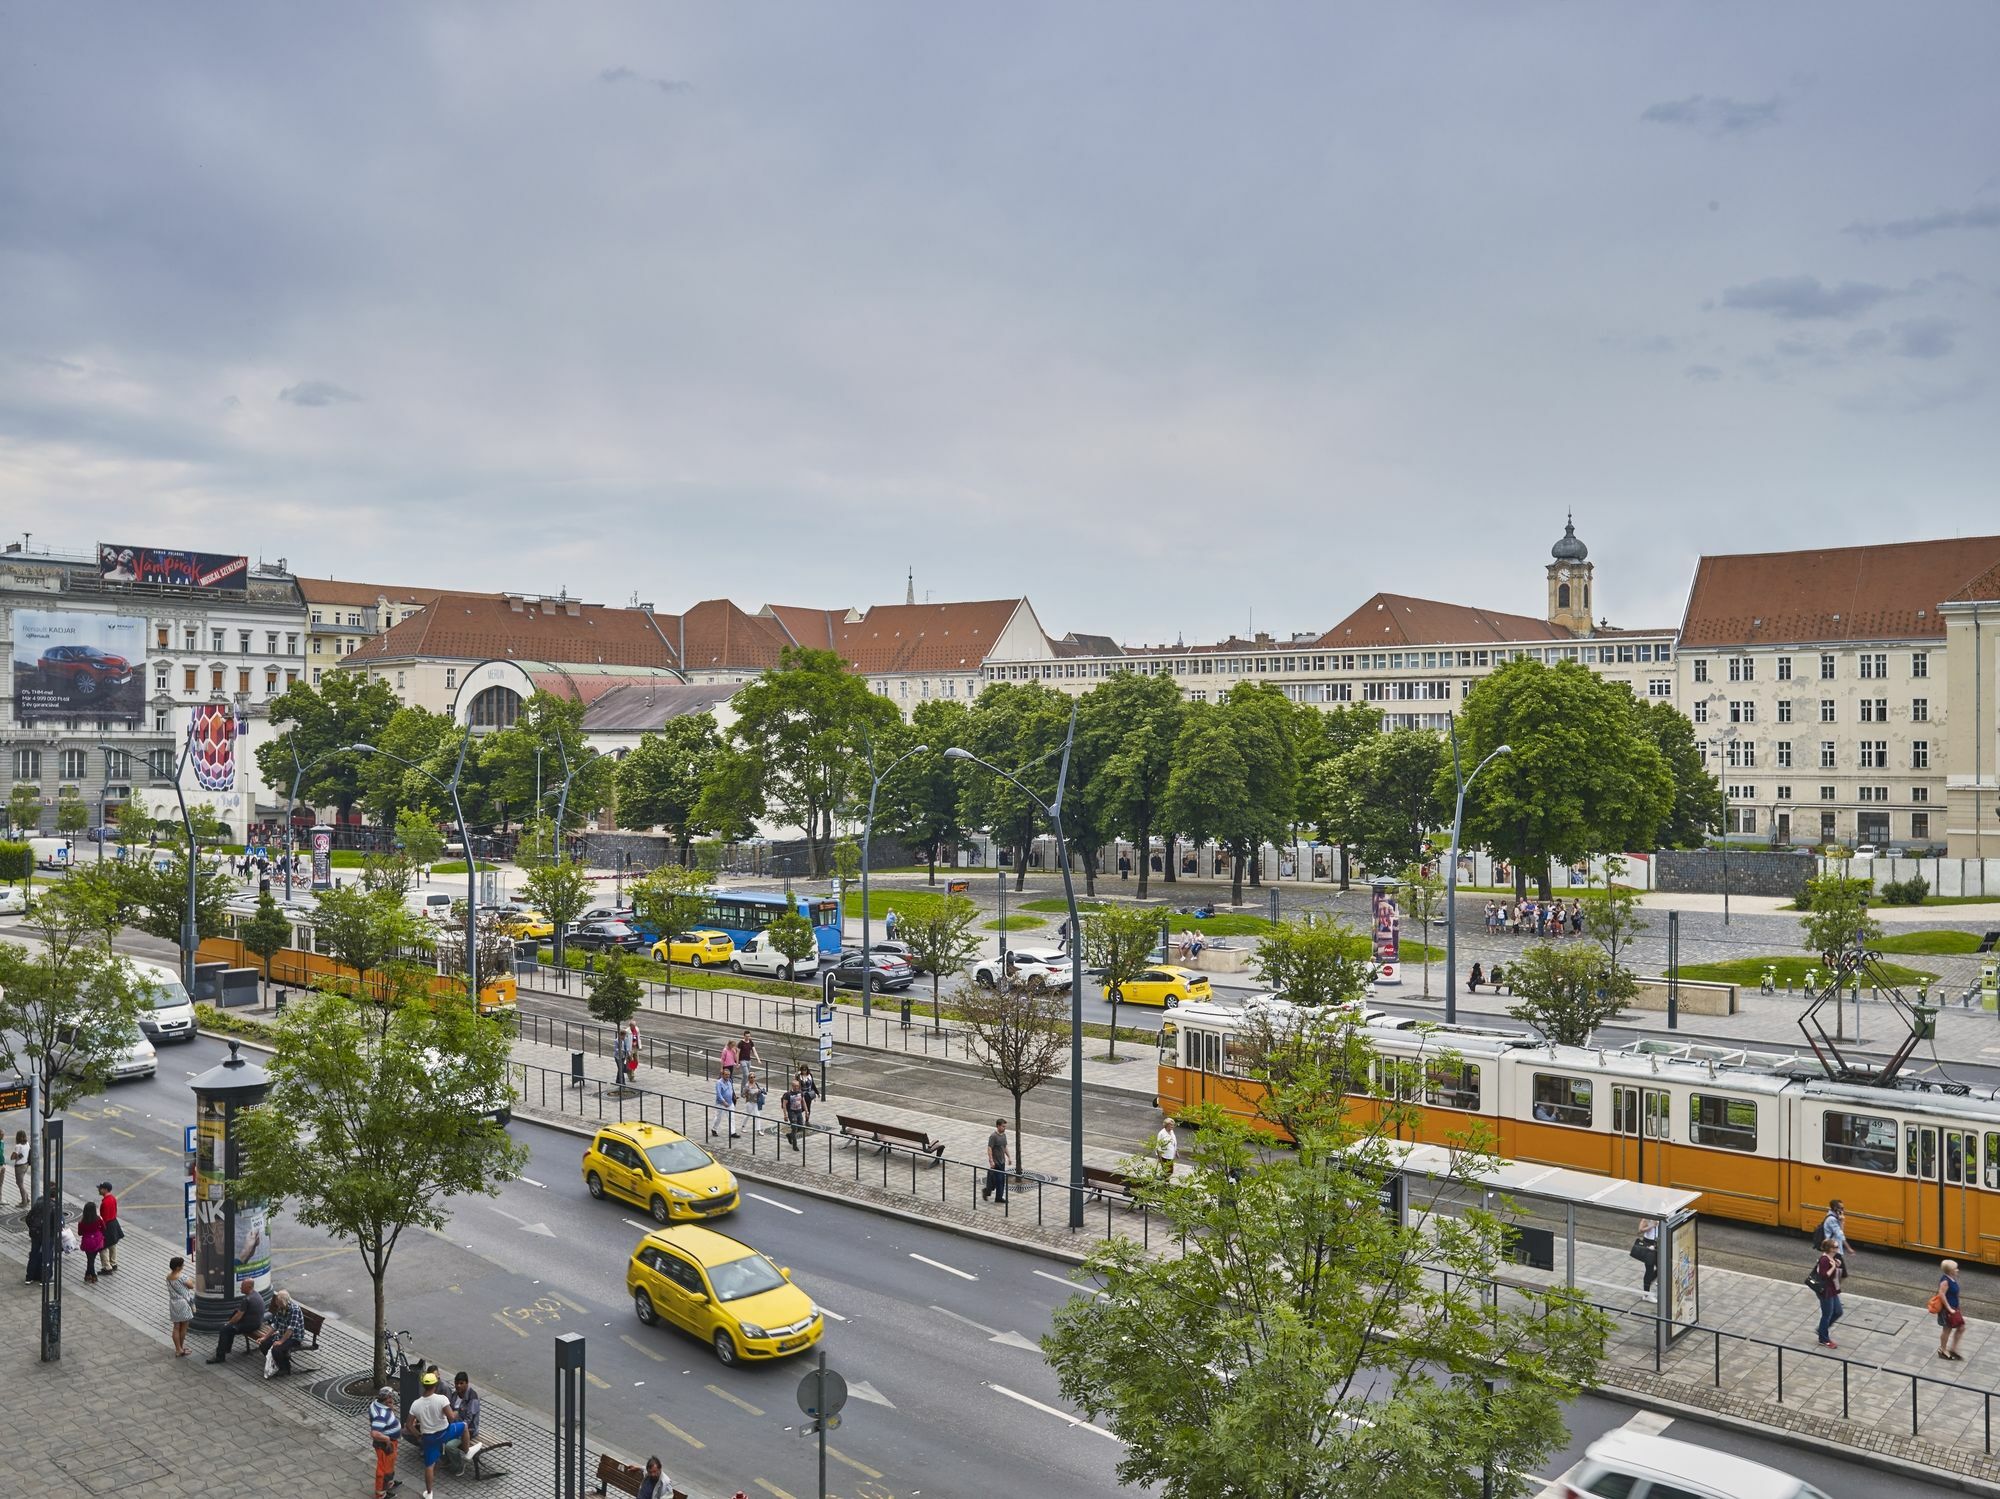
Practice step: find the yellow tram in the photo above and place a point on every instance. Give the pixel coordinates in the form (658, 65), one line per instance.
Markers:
(1754, 1133)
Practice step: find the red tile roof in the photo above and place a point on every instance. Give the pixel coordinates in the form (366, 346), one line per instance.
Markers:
(925, 637)
(360, 595)
(1888, 592)
(716, 635)
(811, 629)
(484, 626)
(1394, 619)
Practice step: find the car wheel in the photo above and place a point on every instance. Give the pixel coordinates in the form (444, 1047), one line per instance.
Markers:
(695, 961)
(725, 1346)
(84, 684)
(660, 1213)
(734, 966)
(1037, 984)
(983, 978)
(642, 1304)
(596, 1186)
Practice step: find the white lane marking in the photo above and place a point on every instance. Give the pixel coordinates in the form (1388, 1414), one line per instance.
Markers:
(940, 1265)
(1070, 1285)
(644, 1228)
(1061, 1415)
(993, 1334)
(1648, 1423)
(530, 1181)
(786, 1206)
(826, 1312)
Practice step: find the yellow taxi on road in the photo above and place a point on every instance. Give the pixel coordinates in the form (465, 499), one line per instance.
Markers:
(1167, 986)
(527, 924)
(706, 948)
(665, 1173)
(722, 1291)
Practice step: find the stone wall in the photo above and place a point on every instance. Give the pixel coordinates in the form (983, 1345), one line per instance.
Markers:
(1707, 871)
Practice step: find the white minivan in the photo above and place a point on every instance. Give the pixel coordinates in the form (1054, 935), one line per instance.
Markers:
(1628, 1465)
(50, 853)
(171, 1017)
(759, 955)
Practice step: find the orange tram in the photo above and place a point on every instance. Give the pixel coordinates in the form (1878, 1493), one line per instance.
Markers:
(1755, 1134)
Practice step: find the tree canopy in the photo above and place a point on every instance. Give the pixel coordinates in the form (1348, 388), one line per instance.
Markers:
(318, 723)
(1379, 796)
(1698, 806)
(1147, 711)
(922, 799)
(660, 781)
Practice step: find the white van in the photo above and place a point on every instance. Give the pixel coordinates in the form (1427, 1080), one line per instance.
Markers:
(759, 955)
(171, 1017)
(50, 853)
(1627, 1465)
(435, 905)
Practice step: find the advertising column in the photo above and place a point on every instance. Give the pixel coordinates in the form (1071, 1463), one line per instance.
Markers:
(1388, 940)
(322, 852)
(232, 1238)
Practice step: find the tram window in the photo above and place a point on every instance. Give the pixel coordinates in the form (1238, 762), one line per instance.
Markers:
(1920, 1152)
(1954, 1158)
(1204, 1051)
(1452, 1085)
(1993, 1161)
(1866, 1142)
(1730, 1123)
(1562, 1100)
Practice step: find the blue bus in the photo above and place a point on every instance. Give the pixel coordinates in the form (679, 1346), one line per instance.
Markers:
(745, 913)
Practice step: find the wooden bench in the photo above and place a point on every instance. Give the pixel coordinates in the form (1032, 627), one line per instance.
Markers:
(482, 1456)
(1103, 1183)
(612, 1474)
(310, 1323)
(889, 1136)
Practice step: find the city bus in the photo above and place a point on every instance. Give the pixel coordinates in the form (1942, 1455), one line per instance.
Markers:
(745, 913)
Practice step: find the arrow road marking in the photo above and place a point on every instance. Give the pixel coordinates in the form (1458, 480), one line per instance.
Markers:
(993, 1334)
(861, 1389)
(526, 1227)
(940, 1265)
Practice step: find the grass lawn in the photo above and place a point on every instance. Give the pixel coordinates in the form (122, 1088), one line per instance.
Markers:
(1942, 900)
(944, 871)
(1062, 909)
(1934, 943)
(1015, 924)
(455, 867)
(902, 902)
(1749, 972)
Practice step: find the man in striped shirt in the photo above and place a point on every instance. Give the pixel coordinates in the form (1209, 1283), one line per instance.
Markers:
(385, 1429)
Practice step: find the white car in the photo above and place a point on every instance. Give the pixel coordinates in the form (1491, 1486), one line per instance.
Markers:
(136, 1060)
(1033, 967)
(13, 900)
(1626, 1465)
(760, 956)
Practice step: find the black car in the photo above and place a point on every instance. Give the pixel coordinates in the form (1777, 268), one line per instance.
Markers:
(891, 972)
(599, 935)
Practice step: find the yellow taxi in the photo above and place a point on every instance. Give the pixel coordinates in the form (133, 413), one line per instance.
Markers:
(1167, 986)
(706, 948)
(722, 1291)
(665, 1173)
(527, 924)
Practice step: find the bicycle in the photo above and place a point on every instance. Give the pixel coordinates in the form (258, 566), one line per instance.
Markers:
(395, 1352)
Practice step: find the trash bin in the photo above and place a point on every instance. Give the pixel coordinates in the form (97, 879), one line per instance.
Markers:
(907, 1002)
(576, 1069)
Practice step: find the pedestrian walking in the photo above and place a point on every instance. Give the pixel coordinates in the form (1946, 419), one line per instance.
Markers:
(730, 1057)
(17, 1156)
(1950, 1320)
(1167, 1147)
(746, 1050)
(114, 1231)
(891, 924)
(754, 1098)
(385, 1432)
(808, 1089)
(1834, 1227)
(1826, 1284)
(619, 1047)
(44, 1224)
(794, 1104)
(180, 1301)
(90, 1239)
(1124, 866)
(996, 1163)
(1646, 1250)
(631, 1050)
(725, 1103)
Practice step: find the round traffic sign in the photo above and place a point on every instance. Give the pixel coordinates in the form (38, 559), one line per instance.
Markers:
(817, 1401)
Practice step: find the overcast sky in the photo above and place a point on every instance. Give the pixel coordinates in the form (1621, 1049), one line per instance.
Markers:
(1158, 314)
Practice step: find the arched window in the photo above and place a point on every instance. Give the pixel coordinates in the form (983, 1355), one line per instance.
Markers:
(496, 708)
(1586, 598)
(1562, 596)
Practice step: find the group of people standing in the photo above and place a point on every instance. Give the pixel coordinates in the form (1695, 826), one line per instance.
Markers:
(1534, 918)
(96, 1236)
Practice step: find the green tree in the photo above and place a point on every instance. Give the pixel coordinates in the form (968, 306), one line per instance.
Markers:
(368, 930)
(69, 1006)
(941, 940)
(17, 862)
(1567, 989)
(394, 871)
(660, 782)
(1300, 1344)
(267, 932)
(1235, 774)
(377, 1118)
(1118, 944)
(1018, 727)
(133, 821)
(559, 889)
(1019, 1039)
(154, 896)
(1136, 773)
(387, 787)
(24, 808)
(209, 828)
(1380, 797)
(1584, 776)
(615, 993)
(1423, 902)
(419, 836)
(1612, 916)
(1698, 804)
(554, 726)
(72, 815)
(1834, 919)
(1314, 960)
(348, 707)
(671, 900)
(732, 794)
(846, 865)
(922, 799)
(802, 726)
(793, 936)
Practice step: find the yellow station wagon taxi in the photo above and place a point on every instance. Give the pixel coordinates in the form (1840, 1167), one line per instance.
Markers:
(665, 1173)
(723, 1292)
(706, 948)
(1167, 986)
(528, 925)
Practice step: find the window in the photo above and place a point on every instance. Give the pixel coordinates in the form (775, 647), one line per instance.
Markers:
(315, 617)
(1700, 669)
(1660, 687)
(1874, 710)
(270, 642)
(1826, 794)
(1784, 754)
(243, 679)
(118, 765)
(1866, 1142)
(1742, 712)
(1920, 824)
(291, 644)
(216, 637)
(161, 636)
(1826, 833)
(188, 638)
(159, 720)
(1826, 667)
(1826, 710)
(1784, 668)
(1920, 793)
(496, 708)
(1562, 1100)
(1740, 819)
(1826, 754)
(1920, 663)
(1784, 793)
(1742, 755)
(270, 679)
(1784, 710)
(1701, 712)
(27, 765)
(159, 679)
(315, 676)
(215, 676)
(188, 680)
(1874, 754)
(1920, 710)
(1728, 1123)
(450, 678)
(242, 642)
(1874, 665)
(1742, 668)
(1920, 754)
(399, 681)
(1452, 1085)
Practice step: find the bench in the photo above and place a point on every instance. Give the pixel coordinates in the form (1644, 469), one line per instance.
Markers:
(624, 1477)
(889, 1136)
(1103, 1183)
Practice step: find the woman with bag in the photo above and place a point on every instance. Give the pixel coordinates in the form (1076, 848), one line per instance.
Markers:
(90, 1239)
(1825, 1282)
(1646, 1250)
(180, 1301)
(1950, 1320)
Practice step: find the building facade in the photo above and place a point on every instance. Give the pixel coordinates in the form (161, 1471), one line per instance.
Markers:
(341, 617)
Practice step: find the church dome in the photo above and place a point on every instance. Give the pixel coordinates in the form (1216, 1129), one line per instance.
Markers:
(1569, 549)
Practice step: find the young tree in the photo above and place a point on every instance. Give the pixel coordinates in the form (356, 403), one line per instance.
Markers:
(1019, 727)
(69, 1007)
(846, 866)
(1611, 916)
(394, 871)
(133, 822)
(660, 782)
(156, 897)
(386, 786)
(554, 726)
(1834, 920)
(921, 799)
(17, 862)
(72, 815)
(1300, 1345)
(421, 841)
(1137, 771)
(615, 994)
(268, 932)
(1423, 901)
(793, 936)
(941, 940)
(349, 707)
(1018, 1037)
(1118, 943)
(1380, 797)
(376, 1120)
(1567, 990)
(24, 808)
(671, 901)
(557, 888)
(1315, 961)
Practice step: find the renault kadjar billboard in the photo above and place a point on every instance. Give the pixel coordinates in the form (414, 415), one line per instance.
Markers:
(78, 665)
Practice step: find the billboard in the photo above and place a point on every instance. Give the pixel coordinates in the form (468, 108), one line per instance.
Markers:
(69, 665)
(212, 746)
(123, 564)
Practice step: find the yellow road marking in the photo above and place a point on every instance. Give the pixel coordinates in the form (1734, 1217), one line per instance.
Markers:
(125, 1132)
(736, 1400)
(81, 1114)
(602, 1384)
(858, 1467)
(691, 1441)
(173, 1150)
(631, 1342)
(508, 1323)
(139, 1181)
(577, 1307)
(772, 1489)
(306, 1257)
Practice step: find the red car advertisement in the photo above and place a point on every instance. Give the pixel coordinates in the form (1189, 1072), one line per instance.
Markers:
(123, 564)
(78, 665)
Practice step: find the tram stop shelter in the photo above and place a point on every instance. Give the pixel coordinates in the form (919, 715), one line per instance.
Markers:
(1557, 1217)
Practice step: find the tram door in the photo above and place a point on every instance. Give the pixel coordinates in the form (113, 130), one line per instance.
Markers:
(1639, 1116)
(1941, 1166)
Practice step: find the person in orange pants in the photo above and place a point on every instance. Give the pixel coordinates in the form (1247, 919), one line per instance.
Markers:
(385, 1429)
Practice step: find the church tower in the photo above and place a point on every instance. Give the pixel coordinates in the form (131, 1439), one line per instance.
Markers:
(1569, 582)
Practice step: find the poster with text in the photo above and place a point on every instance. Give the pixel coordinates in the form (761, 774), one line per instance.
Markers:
(123, 564)
(72, 665)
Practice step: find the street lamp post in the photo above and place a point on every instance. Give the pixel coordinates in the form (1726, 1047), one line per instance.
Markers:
(187, 911)
(450, 788)
(1053, 811)
(103, 786)
(1451, 873)
(867, 834)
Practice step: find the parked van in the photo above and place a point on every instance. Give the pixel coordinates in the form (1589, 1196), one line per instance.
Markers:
(50, 853)
(760, 955)
(435, 905)
(171, 1017)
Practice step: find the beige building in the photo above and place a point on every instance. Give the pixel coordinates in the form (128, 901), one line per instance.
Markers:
(341, 617)
(912, 652)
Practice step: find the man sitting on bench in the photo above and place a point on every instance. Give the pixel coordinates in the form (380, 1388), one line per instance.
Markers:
(285, 1329)
(656, 1484)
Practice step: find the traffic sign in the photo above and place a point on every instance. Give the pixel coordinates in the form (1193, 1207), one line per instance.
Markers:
(822, 1393)
(823, 1014)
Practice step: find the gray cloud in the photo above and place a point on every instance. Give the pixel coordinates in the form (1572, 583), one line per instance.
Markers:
(1805, 298)
(1923, 338)
(1713, 114)
(1979, 216)
(1866, 341)
(1914, 397)
(316, 393)
(628, 75)
(1702, 374)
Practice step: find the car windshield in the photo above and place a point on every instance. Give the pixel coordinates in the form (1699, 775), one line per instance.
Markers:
(166, 993)
(750, 1276)
(677, 1155)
